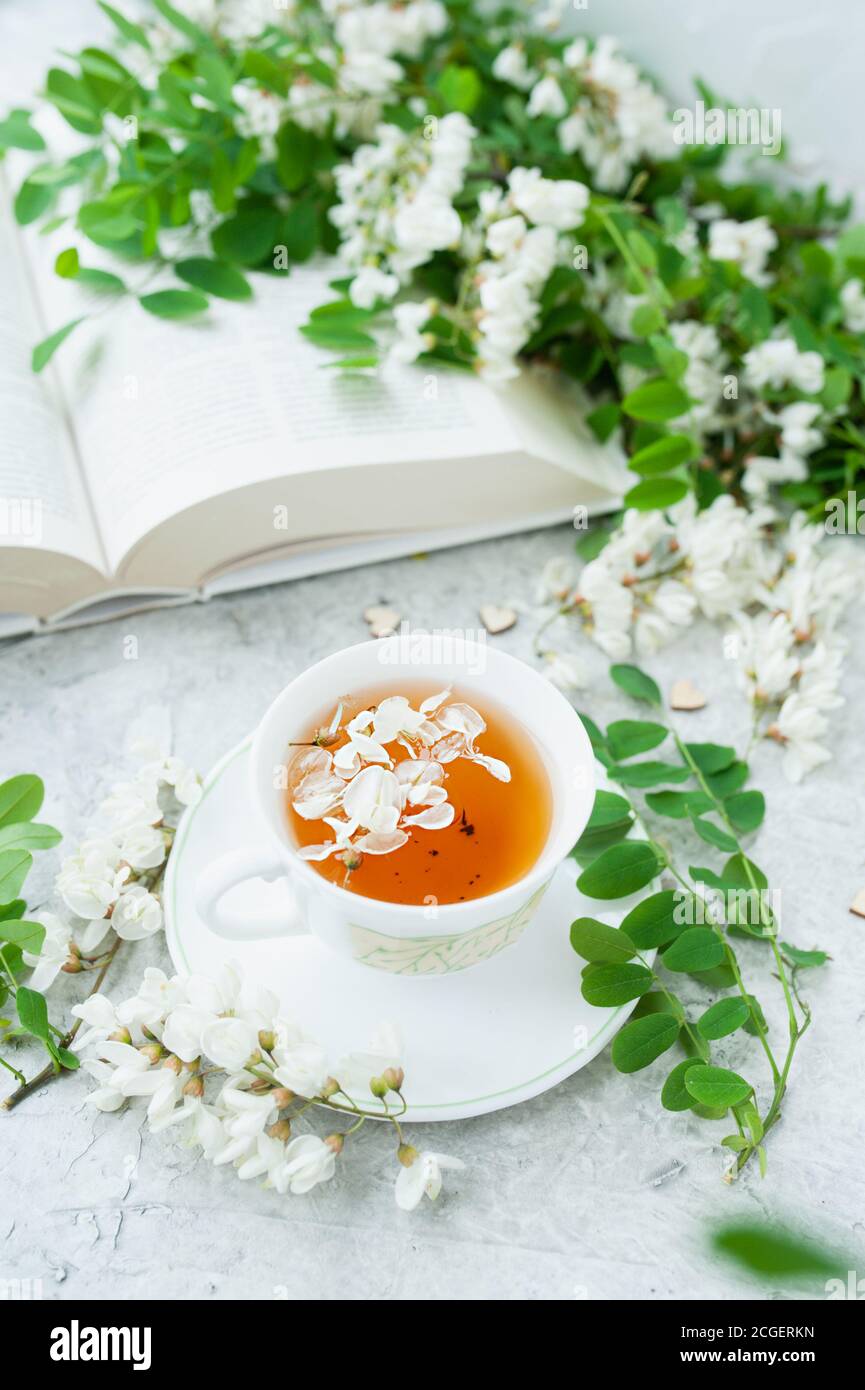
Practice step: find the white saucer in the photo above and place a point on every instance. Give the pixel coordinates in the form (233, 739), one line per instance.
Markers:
(474, 1041)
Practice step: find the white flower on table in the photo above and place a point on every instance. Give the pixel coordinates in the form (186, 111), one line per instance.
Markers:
(296, 1167)
(422, 1177)
(301, 1064)
(53, 953)
(142, 846)
(137, 914)
(90, 880)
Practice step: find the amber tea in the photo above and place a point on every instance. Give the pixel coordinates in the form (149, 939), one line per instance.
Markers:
(418, 796)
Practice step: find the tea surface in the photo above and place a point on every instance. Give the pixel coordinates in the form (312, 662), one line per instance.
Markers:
(499, 828)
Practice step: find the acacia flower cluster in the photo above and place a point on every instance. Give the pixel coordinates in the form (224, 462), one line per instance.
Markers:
(369, 795)
(110, 884)
(604, 108)
(214, 1061)
(396, 203)
(781, 591)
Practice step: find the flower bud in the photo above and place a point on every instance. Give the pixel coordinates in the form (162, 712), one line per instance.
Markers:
(282, 1097)
(325, 738)
(72, 966)
(120, 1035)
(253, 1059)
(378, 1086)
(194, 1087)
(266, 1040)
(335, 1142)
(330, 1088)
(407, 1153)
(152, 1051)
(280, 1130)
(173, 1064)
(260, 1084)
(74, 949)
(351, 858)
(394, 1076)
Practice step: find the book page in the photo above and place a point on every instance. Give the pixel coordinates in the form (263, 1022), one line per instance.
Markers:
(170, 414)
(43, 504)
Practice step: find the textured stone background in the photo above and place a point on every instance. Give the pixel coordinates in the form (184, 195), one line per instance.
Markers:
(591, 1190)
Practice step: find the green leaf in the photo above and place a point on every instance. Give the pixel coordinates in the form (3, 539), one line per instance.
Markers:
(68, 1059)
(608, 809)
(655, 494)
(608, 986)
(12, 911)
(179, 21)
(15, 865)
(804, 959)
(216, 277)
(621, 870)
(31, 201)
(29, 835)
(67, 264)
(746, 810)
(130, 31)
(266, 72)
(597, 942)
(657, 1002)
(678, 805)
(338, 339)
(653, 922)
(20, 798)
(44, 351)
(33, 1013)
(174, 304)
(247, 238)
(16, 132)
(711, 757)
(295, 150)
(670, 451)
(603, 420)
(764, 1251)
(657, 400)
(723, 1018)
(104, 281)
(647, 773)
(721, 784)
(217, 78)
(29, 936)
(627, 737)
(717, 1087)
(713, 834)
(460, 88)
(108, 219)
(642, 1040)
(736, 1142)
(300, 230)
(698, 948)
(674, 1096)
(74, 100)
(636, 683)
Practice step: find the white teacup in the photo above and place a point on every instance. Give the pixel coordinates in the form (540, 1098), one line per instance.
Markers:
(391, 936)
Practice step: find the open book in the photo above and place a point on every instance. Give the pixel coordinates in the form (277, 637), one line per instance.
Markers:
(159, 463)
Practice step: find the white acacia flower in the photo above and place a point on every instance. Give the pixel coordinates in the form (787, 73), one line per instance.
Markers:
(423, 225)
(354, 1071)
(777, 363)
(557, 580)
(52, 955)
(370, 285)
(510, 65)
(372, 798)
(100, 1015)
(564, 670)
(853, 305)
(301, 1065)
(156, 997)
(229, 1042)
(547, 98)
(142, 846)
(308, 1161)
(423, 1178)
(747, 243)
(90, 880)
(558, 203)
(137, 914)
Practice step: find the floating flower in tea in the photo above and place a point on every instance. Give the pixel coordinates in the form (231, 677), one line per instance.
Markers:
(368, 796)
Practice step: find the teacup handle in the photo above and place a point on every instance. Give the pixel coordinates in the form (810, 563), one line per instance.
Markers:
(226, 873)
